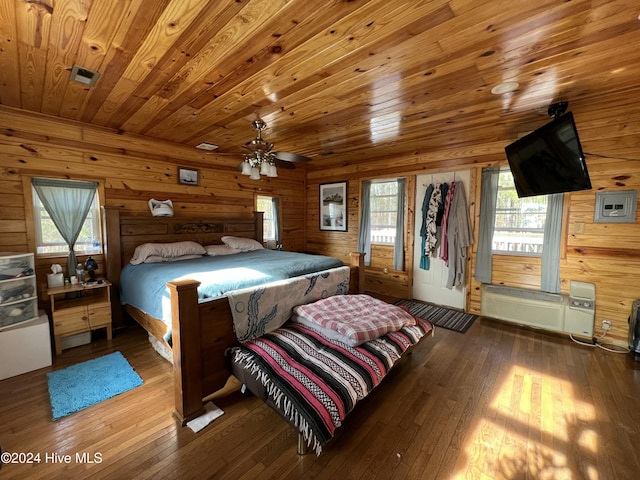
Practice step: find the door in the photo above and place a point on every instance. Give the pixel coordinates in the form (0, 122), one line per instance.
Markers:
(430, 285)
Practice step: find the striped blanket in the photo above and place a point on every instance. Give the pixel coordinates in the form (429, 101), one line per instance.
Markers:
(315, 382)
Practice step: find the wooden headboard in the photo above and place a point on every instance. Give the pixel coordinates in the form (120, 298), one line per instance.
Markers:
(124, 233)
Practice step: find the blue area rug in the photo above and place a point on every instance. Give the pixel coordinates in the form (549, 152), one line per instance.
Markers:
(88, 383)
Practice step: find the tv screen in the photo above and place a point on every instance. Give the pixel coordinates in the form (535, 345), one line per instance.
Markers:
(549, 160)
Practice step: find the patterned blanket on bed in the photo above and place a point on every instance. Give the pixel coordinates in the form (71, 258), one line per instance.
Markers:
(262, 309)
(314, 381)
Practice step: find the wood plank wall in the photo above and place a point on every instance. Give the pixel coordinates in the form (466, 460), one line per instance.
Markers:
(380, 279)
(132, 170)
(135, 169)
(607, 255)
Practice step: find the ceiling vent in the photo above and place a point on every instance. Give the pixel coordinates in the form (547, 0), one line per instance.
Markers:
(84, 76)
(207, 146)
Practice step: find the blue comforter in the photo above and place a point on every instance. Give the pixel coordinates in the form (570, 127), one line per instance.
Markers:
(144, 286)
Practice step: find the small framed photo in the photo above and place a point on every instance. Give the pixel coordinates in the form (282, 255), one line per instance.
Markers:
(188, 176)
(333, 206)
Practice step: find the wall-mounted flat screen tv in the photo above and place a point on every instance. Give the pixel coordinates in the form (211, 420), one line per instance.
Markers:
(549, 160)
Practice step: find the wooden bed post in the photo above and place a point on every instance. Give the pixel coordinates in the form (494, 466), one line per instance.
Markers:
(112, 249)
(259, 226)
(186, 348)
(357, 260)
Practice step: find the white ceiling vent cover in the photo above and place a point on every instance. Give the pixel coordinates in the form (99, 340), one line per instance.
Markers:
(84, 75)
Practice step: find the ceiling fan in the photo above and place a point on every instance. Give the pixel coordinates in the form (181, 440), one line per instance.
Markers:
(261, 160)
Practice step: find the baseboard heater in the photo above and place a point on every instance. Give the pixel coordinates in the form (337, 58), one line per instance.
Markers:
(552, 311)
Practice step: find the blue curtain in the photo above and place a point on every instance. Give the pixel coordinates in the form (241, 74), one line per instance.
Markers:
(398, 246)
(488, 198)
(364, 235)
(275, 202)
(550, 281)
(67, 203)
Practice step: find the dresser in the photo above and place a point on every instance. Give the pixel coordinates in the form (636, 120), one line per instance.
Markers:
(25, 341)
(18, 297)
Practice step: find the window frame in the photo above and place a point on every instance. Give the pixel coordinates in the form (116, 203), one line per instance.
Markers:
(30, 214)
(394, 211)
(497, 213)
(277, 234)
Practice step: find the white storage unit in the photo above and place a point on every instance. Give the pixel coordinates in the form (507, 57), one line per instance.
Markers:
(25, 341)
(76, 340)
(18, 294)
(24, 348)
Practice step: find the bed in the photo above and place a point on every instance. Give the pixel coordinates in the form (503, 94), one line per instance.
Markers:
(201, 328)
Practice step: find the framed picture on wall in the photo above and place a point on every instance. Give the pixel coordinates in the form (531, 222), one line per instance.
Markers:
(188, 176)
(333, 206)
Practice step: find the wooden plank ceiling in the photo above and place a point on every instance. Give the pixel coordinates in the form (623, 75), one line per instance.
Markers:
(337, 80)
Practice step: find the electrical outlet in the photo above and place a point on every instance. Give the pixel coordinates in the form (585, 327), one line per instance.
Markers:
(606, 325)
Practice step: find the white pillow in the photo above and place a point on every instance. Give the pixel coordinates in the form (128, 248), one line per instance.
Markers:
(242, 244)
(216, 250)
(159, 259)
(166, 250)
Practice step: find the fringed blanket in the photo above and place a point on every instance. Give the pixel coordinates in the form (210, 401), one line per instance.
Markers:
(258, 310)
(314, 381)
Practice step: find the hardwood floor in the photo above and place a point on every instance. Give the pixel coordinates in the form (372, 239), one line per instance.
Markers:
(497, 402)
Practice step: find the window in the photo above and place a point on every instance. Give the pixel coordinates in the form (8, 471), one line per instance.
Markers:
(519, 223)
(49, 240)
(384, 211)
(270, 226)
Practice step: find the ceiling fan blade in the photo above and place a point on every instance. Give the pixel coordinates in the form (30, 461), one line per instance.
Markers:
(284, 164)
(224, 154)
(291, 157)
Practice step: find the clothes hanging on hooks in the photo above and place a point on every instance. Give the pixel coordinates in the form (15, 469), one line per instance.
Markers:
(424, 259)
(444, 248)
(434, 205)
(444, 188)
(459, 237)
(446, 226)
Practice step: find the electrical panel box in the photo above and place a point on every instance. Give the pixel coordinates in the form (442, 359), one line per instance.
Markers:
(616, 206)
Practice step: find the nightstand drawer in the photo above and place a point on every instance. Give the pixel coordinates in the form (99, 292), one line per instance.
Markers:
(99, 315)
(80, 308)
(71, 320)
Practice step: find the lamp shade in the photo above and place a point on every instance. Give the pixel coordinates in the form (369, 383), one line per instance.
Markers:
(90, 264)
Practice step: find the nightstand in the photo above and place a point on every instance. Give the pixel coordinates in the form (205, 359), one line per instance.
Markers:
(80, 308)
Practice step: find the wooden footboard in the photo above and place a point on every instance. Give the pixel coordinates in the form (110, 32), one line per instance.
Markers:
(202, 332)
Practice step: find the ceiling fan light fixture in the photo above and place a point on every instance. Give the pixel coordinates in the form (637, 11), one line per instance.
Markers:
(258, 145)
(273, 172)
(255, 173)
(246, 168)
(261, 160)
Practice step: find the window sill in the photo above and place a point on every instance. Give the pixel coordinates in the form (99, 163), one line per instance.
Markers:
(518, 254)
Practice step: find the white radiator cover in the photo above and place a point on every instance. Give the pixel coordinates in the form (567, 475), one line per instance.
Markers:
(551, 311)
